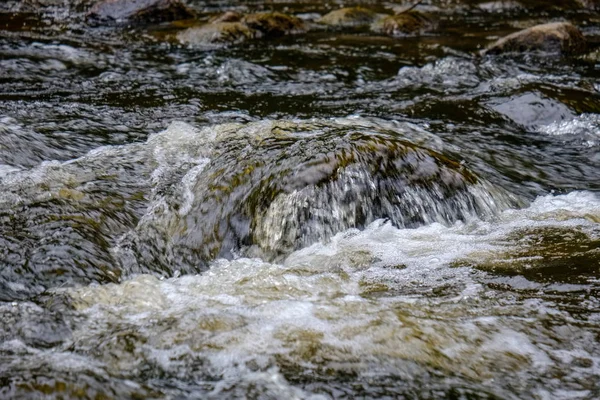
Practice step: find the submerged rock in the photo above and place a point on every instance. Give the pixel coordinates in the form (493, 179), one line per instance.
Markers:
(276, 186)
(274, 24)
(139, 11)
(216, 33)
(349, 17)
(543, 254)
(404, 24)
(556, 37)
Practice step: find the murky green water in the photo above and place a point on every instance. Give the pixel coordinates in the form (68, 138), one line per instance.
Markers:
(332, 214)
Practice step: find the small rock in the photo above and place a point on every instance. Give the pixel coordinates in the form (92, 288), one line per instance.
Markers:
(139, 11)
(349, 17)
(274, 24)
(405, 24)
(229, 16)
(217, 33)
(556, 37)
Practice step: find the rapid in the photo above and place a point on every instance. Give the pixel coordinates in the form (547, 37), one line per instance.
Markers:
(326, 215)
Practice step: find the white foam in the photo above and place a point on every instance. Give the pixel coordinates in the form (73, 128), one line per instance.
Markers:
(365, 295)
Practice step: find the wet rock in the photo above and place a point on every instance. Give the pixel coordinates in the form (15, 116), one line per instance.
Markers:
(274, 187)
(229, 16)
(404, 24)
(556, 37)
(139, 11)
(217, 33)
(274, 24)
(349, 17)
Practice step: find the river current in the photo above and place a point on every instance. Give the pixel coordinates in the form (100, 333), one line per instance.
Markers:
(331, 214)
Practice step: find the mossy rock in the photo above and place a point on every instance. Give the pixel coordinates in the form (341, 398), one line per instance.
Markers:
(556, 37)
(408, 23)
(216, 33)
(349, 17)
(139, 11)
(274, 24)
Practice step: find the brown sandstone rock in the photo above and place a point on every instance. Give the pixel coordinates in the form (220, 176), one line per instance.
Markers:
(349, 17)
(216, 33)
(405, 24)
(274, 24)
(556, 37)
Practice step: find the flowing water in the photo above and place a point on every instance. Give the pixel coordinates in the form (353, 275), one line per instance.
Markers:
(333, 214)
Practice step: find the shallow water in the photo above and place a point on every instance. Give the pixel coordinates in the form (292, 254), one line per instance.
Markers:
(335, 214)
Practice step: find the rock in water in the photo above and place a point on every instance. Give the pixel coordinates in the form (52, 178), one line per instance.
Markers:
(229, 16)
(276, 186)
(349, 17)
(274, 24)
(139, 11)
(216, 33)
(407, 23)
(556, 37)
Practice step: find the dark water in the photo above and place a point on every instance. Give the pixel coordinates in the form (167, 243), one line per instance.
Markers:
(334, 214)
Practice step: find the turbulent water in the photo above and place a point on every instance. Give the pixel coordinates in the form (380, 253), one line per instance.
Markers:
(332, 214)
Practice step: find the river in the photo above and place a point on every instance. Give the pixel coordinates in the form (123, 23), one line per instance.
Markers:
(333, 214)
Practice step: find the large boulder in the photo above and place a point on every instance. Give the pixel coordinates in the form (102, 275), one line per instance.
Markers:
(349, 17)
(276, 186)
(556, 37)
(139, 11)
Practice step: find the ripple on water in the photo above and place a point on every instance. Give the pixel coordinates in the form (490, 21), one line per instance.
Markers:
(584, 129)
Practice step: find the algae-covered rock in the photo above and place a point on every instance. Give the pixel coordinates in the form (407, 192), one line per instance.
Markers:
(216, 33)
(556, 37)
(349, 17)
(139, 11)
(407, 23)
(274, 24)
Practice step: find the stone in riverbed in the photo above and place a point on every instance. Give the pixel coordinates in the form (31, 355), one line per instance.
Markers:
(229, 16)
(139, 11)
(406, 23)
(556, 37)
(216, 33)
(273, 24)
(349, 17)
